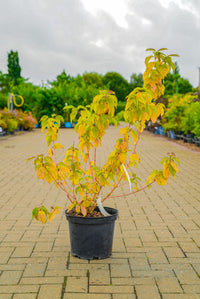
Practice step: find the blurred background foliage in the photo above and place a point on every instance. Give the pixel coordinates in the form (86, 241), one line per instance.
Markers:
(53, 96)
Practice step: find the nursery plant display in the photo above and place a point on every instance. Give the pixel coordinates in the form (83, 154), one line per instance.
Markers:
(80, 176)
(182, 117)
(14, 120)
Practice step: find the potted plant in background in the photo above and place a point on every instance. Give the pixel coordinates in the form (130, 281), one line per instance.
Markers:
(3, 125)
(173, 115)
(187, 123)
(196, 128)
(67, 122)
(80, 176)
(9, 123)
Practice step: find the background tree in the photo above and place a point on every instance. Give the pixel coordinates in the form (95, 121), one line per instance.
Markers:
(4, 83)
(184, 86)
(174, 83)
(61, 80)
(118, 84)
(28, 91)
(94, 79)
(136, 80)
(14, 69)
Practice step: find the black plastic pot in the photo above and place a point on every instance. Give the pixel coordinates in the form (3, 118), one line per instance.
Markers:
(196, 141)
(92, 238)
(188, 138)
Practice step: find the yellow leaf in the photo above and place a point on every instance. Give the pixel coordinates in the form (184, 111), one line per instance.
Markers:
(41, 216)
(124, 146)
(56, 210)
(160, 109)
(85, 158)
(78, 209)
(50, 152)
(134, 135)
(81, 130)
(153, 117)
(52, 214)
(174, 166)
(70, 207)
(150, 179)
(40, 172)
(57, 145)
(150, 66)
(166, 171)
(81, 192)
(160, 180)
(134, 157)
(122, 157)
(96, 143)
(124, 131)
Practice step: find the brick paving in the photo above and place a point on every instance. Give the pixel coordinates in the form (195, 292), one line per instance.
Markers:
(156, 250)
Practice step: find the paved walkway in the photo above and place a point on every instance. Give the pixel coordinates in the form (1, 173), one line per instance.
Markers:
(156, 251)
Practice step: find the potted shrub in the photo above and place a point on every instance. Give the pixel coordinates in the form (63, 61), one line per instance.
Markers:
(174, 114)
(81, 177)
(190, 119)
(9, 121)
(3, 124)
(29, 121)
(19, 116)
(196, 128)
(67, 122)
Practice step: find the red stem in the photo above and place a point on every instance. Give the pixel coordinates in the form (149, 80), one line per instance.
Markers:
(143, 188)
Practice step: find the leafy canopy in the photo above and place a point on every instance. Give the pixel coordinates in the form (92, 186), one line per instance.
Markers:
(78, 174)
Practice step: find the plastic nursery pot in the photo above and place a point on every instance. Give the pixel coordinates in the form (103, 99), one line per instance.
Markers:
(197, 141)
(160, 131)
(67, 124)
(188, 138)
(92, 238)
(171, 135)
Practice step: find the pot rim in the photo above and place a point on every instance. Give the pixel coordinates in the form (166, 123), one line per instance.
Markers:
(91, 220)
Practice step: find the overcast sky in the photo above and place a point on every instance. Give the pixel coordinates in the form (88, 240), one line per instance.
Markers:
(98, 35)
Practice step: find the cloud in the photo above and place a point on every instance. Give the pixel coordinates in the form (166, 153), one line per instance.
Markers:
(54, 35)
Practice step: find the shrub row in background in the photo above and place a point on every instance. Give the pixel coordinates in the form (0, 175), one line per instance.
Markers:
(15, 121)
(181, 119)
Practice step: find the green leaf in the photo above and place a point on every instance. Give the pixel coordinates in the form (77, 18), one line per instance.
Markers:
(44, 122)
(44, 210)
(162, 49)
(59, 119)
(147, 59)
(165, 159)
(177, 160)
(35, 212)
(150, 49)
(172, 170)
(30, 158)
(174, 55)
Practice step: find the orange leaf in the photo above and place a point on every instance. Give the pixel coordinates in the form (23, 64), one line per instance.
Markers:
(51, 215)
(83, 211)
